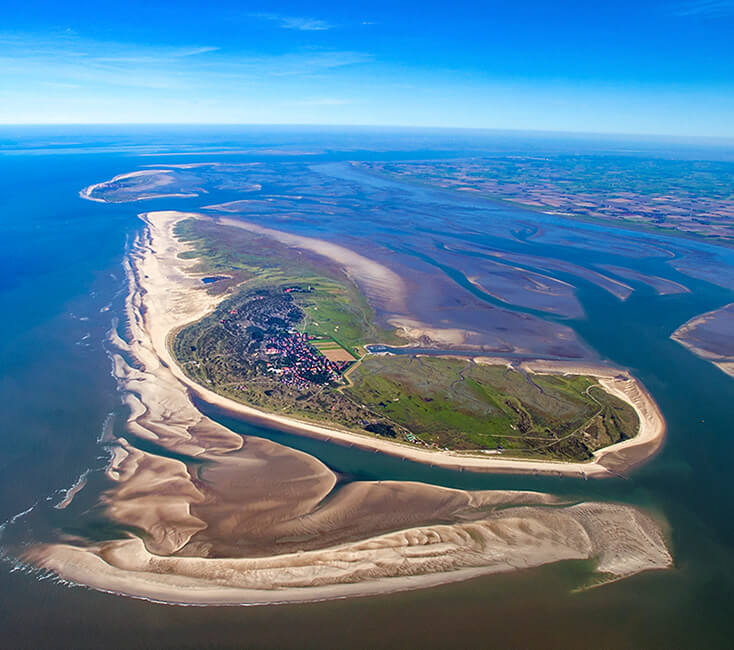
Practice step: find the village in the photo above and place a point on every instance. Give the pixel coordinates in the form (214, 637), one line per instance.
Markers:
(265, 358)
(265, 328)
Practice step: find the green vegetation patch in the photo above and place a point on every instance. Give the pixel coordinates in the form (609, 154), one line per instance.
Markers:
(462, 405)
(249, 348)
(334, 309)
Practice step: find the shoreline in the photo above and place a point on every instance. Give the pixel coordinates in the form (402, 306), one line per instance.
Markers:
(723, 362)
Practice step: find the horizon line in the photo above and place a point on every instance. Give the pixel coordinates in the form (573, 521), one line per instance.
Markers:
(725, 138)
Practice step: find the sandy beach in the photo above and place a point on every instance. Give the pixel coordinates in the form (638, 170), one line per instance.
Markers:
(248, 521)
(607, 462)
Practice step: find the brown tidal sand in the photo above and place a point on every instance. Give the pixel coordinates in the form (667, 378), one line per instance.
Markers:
(711, 337)
(621, 539)
(662, 286)
(618, 289)
(248, 521)
(518, 286)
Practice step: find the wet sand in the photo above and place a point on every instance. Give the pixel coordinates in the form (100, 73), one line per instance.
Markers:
(623, 541)
(618, 289)
(248, 521)
(662, 286)
(710, 337)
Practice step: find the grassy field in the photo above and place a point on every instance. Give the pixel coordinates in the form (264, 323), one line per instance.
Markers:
(462, 405)
(428, 401)
(336, 310)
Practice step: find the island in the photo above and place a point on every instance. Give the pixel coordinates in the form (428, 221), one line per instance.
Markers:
(313, 337)
(293, 335)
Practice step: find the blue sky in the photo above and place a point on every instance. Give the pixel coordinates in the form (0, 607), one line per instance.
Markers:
(623, 67)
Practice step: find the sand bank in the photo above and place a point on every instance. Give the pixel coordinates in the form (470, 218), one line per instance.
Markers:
(710, 337)
(623, 540)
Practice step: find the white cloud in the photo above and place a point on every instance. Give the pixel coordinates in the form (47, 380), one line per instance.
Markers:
(31, 60)
(300, 23)
(195, 51)
(704, 8)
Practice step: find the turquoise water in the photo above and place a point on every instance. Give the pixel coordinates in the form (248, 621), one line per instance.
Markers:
(61, 285)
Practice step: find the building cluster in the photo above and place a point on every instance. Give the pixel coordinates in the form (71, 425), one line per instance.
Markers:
(265, 329)
(297, 362)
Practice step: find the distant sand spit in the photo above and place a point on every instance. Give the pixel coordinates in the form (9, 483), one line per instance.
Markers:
(233, 520)
(710, 337)
(155, 178)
